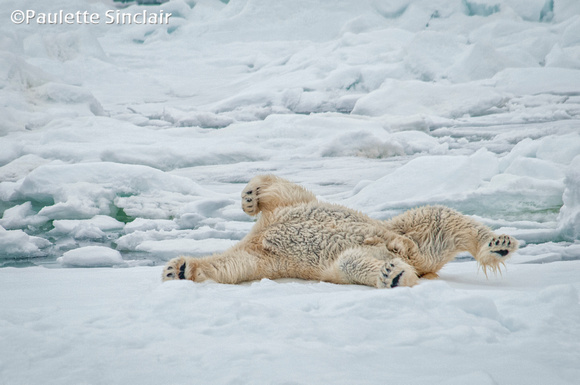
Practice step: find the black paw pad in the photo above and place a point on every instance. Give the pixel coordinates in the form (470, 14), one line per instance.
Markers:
(503, 253)
(396, 279)
(182, 272)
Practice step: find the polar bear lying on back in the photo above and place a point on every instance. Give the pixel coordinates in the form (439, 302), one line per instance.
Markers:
(297, 236)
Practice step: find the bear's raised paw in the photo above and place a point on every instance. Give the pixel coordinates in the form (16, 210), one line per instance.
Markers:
(250, 200)
(495, 252)
(502, 245)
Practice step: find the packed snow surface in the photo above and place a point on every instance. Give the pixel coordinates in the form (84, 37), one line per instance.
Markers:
(121, 326)
(124, 145)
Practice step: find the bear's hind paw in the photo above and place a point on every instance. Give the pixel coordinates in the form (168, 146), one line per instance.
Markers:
(250, 200)
(250, 193)
(179, 268)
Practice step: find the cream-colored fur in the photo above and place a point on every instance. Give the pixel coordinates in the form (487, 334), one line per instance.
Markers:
(296, 236)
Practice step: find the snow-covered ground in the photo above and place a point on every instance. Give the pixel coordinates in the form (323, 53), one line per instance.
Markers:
(124, 145)
(120, 326)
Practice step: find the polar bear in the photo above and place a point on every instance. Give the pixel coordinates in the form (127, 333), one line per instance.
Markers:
(297, 236)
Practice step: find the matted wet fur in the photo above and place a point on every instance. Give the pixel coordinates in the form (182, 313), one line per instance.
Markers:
(296, 236)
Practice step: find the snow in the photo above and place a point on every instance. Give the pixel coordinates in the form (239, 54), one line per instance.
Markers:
(441, 178)
(414, 97)
(91, 256)
(124, 145)
(569, 216)
(118, 326)
(18, 243)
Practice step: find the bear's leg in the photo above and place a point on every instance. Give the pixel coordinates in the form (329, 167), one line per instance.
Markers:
(233, 266)
(264, 193)
(371, 266)
(441, 233)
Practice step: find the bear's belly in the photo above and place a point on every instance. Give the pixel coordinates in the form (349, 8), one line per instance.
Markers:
(310, 242)
(315, 234)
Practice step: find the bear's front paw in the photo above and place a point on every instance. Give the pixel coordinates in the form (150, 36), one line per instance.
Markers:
(396, 273)
(495, 251)
(502, 245)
